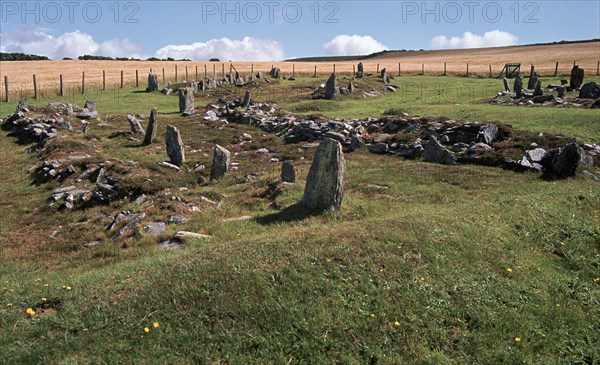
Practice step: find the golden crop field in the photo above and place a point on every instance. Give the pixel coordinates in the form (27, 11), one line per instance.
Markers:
(544, 57)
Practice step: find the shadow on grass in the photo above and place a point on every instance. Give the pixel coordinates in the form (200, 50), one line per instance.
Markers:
(296, 212)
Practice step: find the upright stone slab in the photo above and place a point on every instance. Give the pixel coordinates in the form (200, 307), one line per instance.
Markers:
(275, 73)
(151, 130)
(331, 87)
(134, 124)
(538, 89)
(175, 149)
(186, 100)
(288, 172)
(351, 88)
(506, 86)
(561, 91)
(90, 105)
(532, 78)
(434, 152)
(360, 72)
(246, 101)
(577, 75)
(152, 82)
(519, 85)
(384, 76)
(325, 182)
(562, 163)
(220, 164)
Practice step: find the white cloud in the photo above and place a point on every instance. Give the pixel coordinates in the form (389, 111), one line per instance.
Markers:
(352, 45)
(225, 49)
(494, 38)
(70, 44)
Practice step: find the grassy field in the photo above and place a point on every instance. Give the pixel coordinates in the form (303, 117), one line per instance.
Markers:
(424, 264)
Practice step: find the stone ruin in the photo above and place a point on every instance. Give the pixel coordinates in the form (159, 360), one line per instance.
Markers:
(325, 184)
(152, 82)
(553, 94)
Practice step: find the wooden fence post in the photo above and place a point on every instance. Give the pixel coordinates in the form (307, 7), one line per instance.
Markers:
(422, 69)
(445, 74)
(377, 68)
(556, 70)
(60, 83)
(205, 71)
(186, 74)
(196, 72)
(315, 71)
(163, 76)
(103, 80)
(334, 68)
(222, 70)
(467, 70)
(83, 83)
(137, 82)
(399, 70)
(214, 72)
(6, 88)
(491, 76)
(252, 69)
(122, 79)
(353, 70)
(293, 70)
(175, 73)
(598, 69)
(35, 96)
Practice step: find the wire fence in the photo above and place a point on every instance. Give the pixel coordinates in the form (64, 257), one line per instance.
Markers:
(48, 86)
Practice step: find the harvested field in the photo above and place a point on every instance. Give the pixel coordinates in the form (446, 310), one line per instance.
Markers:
(20, 73)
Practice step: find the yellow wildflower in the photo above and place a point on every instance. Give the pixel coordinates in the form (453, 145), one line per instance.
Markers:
(30, 311)
(509, 269)
(9, 305)
(517, 339)
(396, 323)
(155, 325)
(44, 299)
(146, 329)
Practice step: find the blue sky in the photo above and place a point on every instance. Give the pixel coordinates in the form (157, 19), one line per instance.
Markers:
(273, 30)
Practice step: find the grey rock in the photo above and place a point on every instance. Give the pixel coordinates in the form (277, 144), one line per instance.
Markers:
(590, 90)
(378, 148)
(488, 133)
(247, 99)
(538, 88)
(136, 127)
(390, 88)
(154, 228)
(288, 172)
(518, 86)
(577, 75)
(360, 71)
(536, 155)
(220, 164)
(177, 219)
(174, 143)
(506, 86)
(325, 184)
(563, 162)
(436, 153)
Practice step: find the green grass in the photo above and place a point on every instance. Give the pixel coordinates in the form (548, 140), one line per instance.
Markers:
(426, 246)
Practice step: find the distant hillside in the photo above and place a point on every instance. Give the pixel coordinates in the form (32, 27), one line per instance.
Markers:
(411, 53)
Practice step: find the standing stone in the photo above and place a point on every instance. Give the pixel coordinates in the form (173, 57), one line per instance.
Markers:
(152, 127)
(186, 100)
(246, 101)
(288, 172)
(561, 91)
(538, 89)
(384, 76)
(331, 87)
(577, 75)
(84, 127)
(175, 146)
(351, 88)
(518, 87)
(275, 73)
(532, 78)
(324, 188)
(152, 82)
(506, 87)
(220, 163)
(136, 127)
(360, 72)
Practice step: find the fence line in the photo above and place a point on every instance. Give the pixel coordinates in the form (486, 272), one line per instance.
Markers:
(26, 90)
